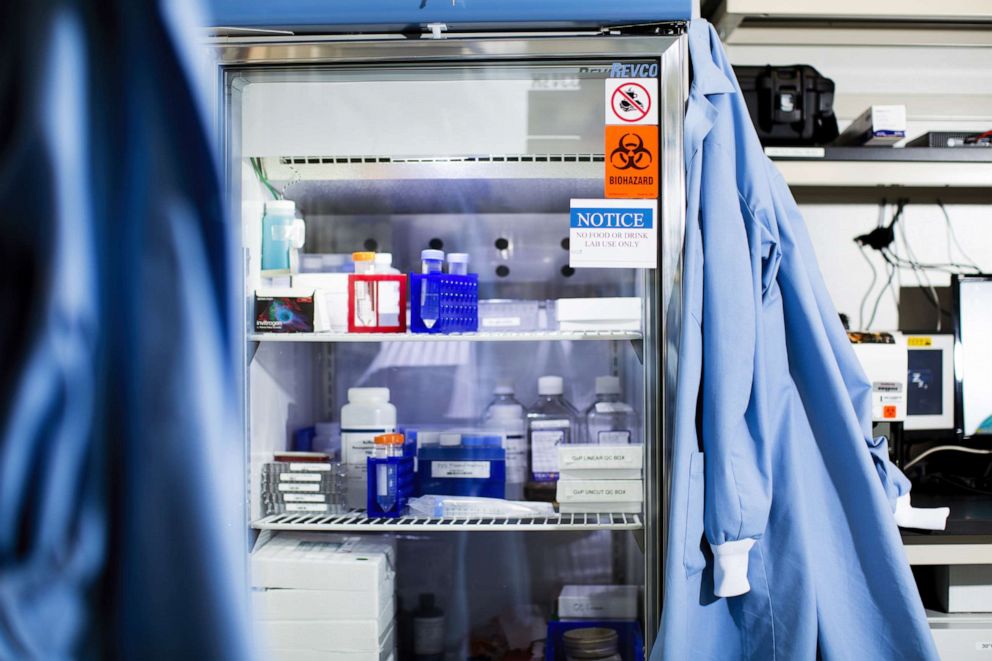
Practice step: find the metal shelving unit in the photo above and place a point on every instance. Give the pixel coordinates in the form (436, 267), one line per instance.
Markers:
(357, 522)
(871, 167)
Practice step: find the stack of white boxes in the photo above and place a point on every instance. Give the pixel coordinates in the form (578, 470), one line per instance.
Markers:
(600, 479)
(329, 597)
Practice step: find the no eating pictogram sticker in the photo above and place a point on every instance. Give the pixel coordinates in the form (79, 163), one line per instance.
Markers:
(631, 101)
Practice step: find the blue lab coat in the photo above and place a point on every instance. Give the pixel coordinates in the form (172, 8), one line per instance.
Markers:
(121, 524)
(782, 541)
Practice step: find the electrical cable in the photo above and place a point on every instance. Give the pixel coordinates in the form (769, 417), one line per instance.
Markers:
(952, 235)
(888, 283)
(874, 279)
(943, 448)
(256, 164)
(921, 277)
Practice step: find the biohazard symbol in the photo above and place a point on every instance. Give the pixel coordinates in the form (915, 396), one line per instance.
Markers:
(631, 153)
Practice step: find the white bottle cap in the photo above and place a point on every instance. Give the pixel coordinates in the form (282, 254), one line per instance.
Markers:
(607, 385)
(384, 258)
(550, 385)
(282, 206)
(368, 395)
(437, 255)
(450, 439)
(503, 388)
(458, 257)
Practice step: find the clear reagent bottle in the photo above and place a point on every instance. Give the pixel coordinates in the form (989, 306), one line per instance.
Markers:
(551, 422)
(609, 420)
(507, 416)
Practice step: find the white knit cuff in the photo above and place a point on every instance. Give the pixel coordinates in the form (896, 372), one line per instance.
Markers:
(730, 568)
(923, 518)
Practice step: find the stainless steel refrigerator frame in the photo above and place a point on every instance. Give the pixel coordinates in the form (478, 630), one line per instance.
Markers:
(663, 285)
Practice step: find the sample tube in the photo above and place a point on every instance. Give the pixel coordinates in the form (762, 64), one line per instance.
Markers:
(458, 263)
(431, 261)
(387, 445)
(364, 309)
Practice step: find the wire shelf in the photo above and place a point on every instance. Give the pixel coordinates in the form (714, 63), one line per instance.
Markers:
(531, 336)
(357, 522)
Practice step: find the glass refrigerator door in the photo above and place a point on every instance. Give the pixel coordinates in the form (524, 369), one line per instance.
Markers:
(459, 146)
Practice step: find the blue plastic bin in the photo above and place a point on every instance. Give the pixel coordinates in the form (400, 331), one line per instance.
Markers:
(630, 643)
(405, 481)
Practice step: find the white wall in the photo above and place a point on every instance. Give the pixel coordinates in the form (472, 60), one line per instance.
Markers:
(944, 88)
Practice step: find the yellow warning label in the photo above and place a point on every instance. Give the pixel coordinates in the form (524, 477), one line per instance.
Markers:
(920, 341)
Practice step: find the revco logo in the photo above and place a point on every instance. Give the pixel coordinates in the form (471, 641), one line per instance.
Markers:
(633, 70)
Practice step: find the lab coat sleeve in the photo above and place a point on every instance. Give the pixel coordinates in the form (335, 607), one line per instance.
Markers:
(737, 476)
(856, 384)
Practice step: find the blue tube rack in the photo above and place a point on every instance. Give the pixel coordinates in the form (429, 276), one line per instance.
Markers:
(405, 483)
(459, 302)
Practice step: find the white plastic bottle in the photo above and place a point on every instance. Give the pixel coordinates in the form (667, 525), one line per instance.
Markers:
(506, 415)
(367, 414)
(609, 420)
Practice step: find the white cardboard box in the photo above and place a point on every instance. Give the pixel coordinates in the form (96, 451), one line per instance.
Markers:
(876, 126)
(599, 313)
(326, 635)
(598, 602)
(279, 604)
(961, 636)
(296, 652)
(316, 561)
(600, 462)
(600, 491)
(599, 508)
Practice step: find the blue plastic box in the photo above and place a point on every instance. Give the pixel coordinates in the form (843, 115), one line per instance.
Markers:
(630, 643)
(405, 481)
(462, 470)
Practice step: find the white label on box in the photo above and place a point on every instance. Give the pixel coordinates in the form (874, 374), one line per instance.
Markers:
(304, 498)
(615, 437)
(309, 467)
(618, 234)
(305, 507)
(299, 477)
(592, 456)
(500, 322)
(611, 407)
(591, 491)
(471, 469)
(983, 646)
(295, 486)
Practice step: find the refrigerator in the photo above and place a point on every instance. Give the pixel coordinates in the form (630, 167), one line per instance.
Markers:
(482, 142)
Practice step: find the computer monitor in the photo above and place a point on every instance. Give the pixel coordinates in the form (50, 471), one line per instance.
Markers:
(973, 354)
(930, 383)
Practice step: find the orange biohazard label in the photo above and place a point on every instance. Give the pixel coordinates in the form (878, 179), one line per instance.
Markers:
(631, 162)
(888, 412)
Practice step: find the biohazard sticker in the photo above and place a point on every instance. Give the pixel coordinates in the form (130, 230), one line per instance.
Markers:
(631, 162)
(631, 101)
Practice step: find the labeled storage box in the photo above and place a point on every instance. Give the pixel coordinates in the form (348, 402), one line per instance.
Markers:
(296, 652)
(330, 636)
(461, 471)
(877, 126)
(594, 314)
(315, 561)
(293, 604)
(600, 462)
(600, 491)
(598, 602)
